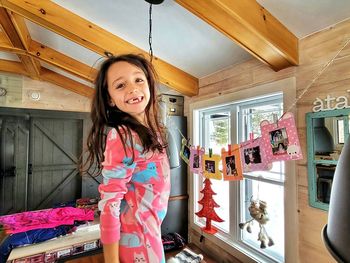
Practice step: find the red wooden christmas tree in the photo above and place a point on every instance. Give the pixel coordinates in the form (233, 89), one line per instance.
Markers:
(207, 210)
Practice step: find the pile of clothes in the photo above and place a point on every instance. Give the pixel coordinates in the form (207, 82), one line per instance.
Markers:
(37, 226)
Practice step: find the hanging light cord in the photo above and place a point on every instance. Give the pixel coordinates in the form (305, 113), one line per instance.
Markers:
(150, 33)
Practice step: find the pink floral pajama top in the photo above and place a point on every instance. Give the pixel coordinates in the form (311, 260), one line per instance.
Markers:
(134, 200)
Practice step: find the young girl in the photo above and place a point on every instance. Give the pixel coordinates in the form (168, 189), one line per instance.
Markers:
(135, 168)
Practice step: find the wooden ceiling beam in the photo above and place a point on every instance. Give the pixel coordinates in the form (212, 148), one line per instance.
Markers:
(75, 28)
(62, 61)
(67, 83)
(14, 34)
(52, 57)
(21, 29)
(252, 27)
(11, 49)
(29, 62)
(10, 30)
(4, 40)
(13, 67)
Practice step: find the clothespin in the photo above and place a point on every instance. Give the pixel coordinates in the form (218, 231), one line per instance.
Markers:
(210, 152)
(229, 149)
(251, 137)
(198, 150)
(275, 118)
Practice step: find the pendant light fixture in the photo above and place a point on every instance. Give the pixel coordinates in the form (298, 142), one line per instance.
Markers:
(151, 2)
(154, 2)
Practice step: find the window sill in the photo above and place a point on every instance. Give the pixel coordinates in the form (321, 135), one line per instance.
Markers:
(240, 251)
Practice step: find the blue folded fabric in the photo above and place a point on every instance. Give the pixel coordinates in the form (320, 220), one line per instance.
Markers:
(30, 237)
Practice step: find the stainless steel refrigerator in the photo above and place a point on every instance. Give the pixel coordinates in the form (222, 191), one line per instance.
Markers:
(176, 219)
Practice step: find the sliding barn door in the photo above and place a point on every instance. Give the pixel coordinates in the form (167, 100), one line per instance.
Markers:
(13, 164)
(55, 147)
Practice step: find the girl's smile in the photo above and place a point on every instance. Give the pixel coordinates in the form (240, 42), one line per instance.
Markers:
(135, 100)
(128, 89)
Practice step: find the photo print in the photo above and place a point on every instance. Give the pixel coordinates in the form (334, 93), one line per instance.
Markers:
(280, 140)
(231, 163)
(196, 160)
(210, 164)
(196, 156)
(253, 157)
(185, 152)
(230, 166)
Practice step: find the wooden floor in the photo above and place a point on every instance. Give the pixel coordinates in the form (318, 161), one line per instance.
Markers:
(99, 257)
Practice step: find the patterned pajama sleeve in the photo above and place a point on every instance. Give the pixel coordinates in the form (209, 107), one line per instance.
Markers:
(116, 172)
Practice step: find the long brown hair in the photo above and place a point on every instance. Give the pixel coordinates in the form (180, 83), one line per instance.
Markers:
(103, 115)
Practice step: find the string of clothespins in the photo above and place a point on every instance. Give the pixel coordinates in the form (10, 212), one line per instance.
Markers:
(276, 119)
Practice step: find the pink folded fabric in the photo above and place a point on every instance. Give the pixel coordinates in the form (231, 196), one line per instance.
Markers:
(47, 218)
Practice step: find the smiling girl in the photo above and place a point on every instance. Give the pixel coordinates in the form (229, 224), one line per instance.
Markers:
(132, 159)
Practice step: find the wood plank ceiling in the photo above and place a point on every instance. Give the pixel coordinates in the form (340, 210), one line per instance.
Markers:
(245, 22)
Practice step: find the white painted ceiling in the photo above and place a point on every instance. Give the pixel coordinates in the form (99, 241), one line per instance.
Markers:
(179, 37)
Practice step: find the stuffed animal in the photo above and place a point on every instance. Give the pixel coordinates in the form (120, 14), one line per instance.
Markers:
(258, 212)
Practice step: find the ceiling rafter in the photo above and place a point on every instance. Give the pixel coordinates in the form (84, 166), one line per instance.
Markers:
(24, 35)
(14, 34)
(67, 83)
(16, 39)
(75, 28)
(252, 27)
(13, 67)
(62, 61)
(52, 57)
(4, 40)
(49, 76)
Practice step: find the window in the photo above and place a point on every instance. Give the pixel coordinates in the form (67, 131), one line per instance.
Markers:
(231, 124)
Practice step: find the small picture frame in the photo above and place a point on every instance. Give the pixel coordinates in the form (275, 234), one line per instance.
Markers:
(253, 157)
(231, 163)
(210, 166)
(280, 140)
(196, 157)
(185, 152)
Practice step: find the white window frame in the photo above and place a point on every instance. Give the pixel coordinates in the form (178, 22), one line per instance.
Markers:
(288, 88)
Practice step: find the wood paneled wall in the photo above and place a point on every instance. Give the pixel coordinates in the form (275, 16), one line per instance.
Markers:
(315, 52)
(52, 97)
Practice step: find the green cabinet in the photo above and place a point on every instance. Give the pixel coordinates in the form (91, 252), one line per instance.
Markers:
(326, 134)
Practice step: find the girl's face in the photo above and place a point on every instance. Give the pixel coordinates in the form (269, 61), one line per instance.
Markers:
(128, 89)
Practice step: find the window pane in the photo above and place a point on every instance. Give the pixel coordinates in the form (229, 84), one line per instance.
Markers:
(273, 195)
(253, 115)
(276, 172)
(218, 136)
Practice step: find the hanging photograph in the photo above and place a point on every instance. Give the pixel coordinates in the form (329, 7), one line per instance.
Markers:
(231, 163)
(280, 140)
(210, 166)
(253, 157)
(196, 156)
(185, 152)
